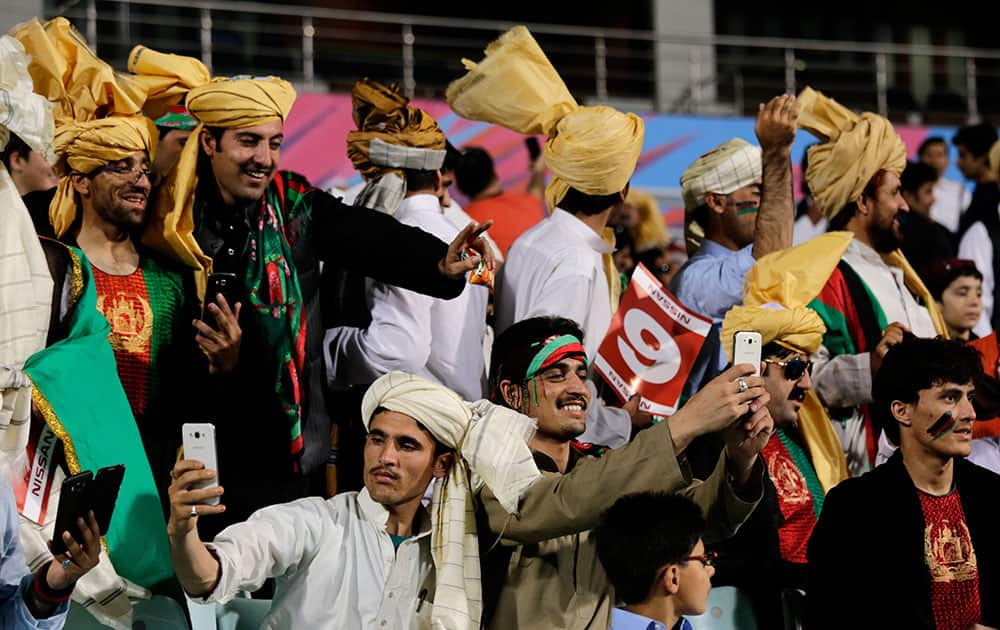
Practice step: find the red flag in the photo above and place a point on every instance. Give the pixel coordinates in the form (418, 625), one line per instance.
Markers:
(651, 345)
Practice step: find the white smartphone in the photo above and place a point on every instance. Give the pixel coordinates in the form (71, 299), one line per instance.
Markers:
(746, 349)
(199, 443)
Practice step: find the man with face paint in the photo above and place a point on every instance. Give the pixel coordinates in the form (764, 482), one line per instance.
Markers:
(874, 295)
(738, 207)
(928, 515)
(542, 557)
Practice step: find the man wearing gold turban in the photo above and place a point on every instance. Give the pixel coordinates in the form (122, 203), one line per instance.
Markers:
(738, 207)
(227, 208)
(400, 149)
(804, 458)
(874, 296)
(563, 265)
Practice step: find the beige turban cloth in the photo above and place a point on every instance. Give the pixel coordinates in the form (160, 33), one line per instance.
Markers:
(651, 230)
(392, 136)
(853, 148)
(491, 445)
(230, 103)
(728, 167)
(592, 149)
(775, 295)
(25, 282)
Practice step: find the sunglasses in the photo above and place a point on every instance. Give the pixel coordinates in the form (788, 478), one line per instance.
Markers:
(794, 368)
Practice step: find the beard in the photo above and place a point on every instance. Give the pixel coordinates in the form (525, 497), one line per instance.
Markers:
(888, 238)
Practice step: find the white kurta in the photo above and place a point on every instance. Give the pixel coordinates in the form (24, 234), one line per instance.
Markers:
(951, 199)
(441, 340)
(977, 246)
(845, 380)
(556, 268)
(334, 564)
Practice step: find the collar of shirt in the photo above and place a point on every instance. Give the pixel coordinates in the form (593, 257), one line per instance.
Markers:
(622, 619)
(547, 464)
(421, 202)
(378, 515)
(713, 249)
(580, 231)
(865, 252)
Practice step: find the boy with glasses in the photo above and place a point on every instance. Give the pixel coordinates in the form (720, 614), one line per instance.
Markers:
(651, 547)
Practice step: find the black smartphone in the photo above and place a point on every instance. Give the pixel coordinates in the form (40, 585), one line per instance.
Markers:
(225, 284)
(74, 502)
(104, 494)
(534, 149)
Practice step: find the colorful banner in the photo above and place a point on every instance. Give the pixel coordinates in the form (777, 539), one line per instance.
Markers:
(651, 345)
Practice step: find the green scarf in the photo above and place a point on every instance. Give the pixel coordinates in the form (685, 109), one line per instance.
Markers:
(77, 391)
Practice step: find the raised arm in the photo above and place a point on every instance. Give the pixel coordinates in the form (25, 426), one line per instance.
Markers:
(377, 245)
(775, 130)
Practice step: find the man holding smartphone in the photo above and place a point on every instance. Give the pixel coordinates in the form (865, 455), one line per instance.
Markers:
(374, 558)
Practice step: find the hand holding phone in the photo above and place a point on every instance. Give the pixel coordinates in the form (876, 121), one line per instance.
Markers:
(747, 349)
(224, 284)
(199, 444)
(74, 503)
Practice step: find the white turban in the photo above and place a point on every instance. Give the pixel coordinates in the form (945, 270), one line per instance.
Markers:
(491, 445)
(730, 166)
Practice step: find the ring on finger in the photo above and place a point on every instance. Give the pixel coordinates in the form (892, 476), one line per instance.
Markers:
(194, 511)
(742, 385)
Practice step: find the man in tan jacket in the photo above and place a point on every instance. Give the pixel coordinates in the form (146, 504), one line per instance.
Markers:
(540, 568)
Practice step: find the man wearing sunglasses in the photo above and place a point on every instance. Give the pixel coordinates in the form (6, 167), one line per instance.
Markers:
(767, 557)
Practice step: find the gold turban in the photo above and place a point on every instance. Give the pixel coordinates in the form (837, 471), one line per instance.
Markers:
(98, 112)
(382, 113)
(651, 230)
(853, 149)
(165, 78)
(89, 145)
(230, 103)
(592, 149)
(775, 295)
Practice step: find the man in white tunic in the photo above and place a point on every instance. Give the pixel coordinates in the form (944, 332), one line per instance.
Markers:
(871, 299)
(376, 558)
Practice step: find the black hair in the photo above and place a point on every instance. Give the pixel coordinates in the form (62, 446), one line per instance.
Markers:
(474, 171)
(623, 238)
(577, 202)
(842, 218)
(14, 145)
(420, 180)
(513, 349)
(452, 157)
(928, 141)
(915, 175)
(917, 364)
(642, 533)
(936, 284)
(977, 139)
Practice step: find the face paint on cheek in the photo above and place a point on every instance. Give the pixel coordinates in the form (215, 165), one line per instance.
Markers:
(746, 207)
(943, 426)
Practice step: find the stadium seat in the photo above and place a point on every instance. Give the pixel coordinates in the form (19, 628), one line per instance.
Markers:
(156, 613)
(728, 609)
(242, 613)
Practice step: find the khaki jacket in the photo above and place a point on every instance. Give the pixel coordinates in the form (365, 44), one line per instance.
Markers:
(540, 567)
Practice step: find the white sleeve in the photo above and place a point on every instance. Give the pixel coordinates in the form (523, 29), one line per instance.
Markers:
(977, 246)
(842, 381)
(561, 294)
(398, 338)
(272, 542)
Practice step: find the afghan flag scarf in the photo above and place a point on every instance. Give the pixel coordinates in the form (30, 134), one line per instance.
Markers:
(77, 391)
(274, 293)
(854, 324)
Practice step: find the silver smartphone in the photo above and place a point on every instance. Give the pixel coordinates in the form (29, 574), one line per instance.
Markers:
(198, 439)
(746, 349)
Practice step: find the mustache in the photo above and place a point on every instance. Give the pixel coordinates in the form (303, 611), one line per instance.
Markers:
(383, 470)
(798, 394)
(571, 399)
